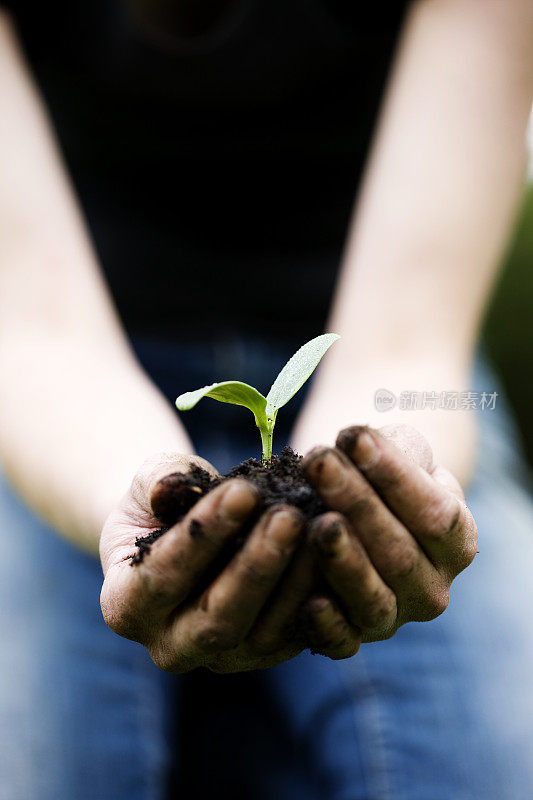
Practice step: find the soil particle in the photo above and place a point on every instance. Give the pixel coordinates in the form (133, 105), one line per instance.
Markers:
(195, 528)
(144, 543)
(281, 482)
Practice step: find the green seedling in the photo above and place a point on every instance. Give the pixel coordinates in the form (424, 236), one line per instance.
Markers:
(265, 409)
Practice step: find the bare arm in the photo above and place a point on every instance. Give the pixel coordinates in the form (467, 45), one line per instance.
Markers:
(433, 218)
(434, 215)
(78, 416)
(77, 413)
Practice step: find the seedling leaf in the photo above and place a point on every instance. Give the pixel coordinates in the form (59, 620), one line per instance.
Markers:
(293, 375)
(235, 392)
(296, 371)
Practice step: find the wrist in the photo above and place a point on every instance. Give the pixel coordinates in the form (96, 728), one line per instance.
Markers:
(341, 398)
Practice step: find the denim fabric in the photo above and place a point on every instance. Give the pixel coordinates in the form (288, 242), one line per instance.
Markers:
(83, 713)
(443, 710)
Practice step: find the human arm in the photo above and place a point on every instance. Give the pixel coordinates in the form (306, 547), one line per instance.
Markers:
(78, 414)
(433, 218)
(434, 215)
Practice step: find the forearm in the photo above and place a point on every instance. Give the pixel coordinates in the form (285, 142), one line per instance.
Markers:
(344, 395)
(77, 414)
(434, 215)
(76, 424)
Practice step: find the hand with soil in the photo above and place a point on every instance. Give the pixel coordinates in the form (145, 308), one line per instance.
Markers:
(198, 599)
(397, 534)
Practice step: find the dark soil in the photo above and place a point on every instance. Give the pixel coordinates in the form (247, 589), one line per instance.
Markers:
(281, 482)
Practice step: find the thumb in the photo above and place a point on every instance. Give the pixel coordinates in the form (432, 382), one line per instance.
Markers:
(168, 484)
(411, 443)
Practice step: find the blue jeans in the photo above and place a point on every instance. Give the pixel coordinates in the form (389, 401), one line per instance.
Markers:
(443, 710)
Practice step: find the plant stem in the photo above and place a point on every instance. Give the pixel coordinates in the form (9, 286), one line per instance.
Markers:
(266, 441)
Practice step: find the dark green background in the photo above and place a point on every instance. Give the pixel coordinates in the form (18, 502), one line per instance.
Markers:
(508, 329)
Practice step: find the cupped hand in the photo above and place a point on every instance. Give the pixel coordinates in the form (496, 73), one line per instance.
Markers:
(397, 534)
(178, 601)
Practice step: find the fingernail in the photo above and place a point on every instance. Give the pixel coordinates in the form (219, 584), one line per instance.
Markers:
(347, 438)
(359, 444)
(366, 452)
(283, 526)
(330, 471)
(239, 499)
(331, 540)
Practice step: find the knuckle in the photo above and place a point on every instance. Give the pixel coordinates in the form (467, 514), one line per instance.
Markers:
(356, 561)
(441, 517)
(163, 662)
(264, 644)
(379, 610)
(385, 633)
(257, 573)
(118, 622)
(469, 553)
(391, 474)
(221, 666)
(360, 506)
(213, 636)
(436, 604)
(470, 544)
(401, 561)
(168, 660)
(427, 604)
(121, 619)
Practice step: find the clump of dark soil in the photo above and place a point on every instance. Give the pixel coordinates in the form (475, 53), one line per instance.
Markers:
(283, 481)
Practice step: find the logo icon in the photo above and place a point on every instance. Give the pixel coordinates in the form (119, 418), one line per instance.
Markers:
(384, 400)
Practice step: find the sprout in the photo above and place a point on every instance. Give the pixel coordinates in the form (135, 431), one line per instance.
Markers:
(265, 409)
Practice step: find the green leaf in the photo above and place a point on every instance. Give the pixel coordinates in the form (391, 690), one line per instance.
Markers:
(235, 392)
(296, 371)
(293, 375)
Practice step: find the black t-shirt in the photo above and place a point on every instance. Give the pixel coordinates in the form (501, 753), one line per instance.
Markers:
(216, 173)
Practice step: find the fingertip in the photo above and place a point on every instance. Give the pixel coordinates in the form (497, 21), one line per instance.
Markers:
(292, 512)
(346, 649)
(284, 523)
(240, 498)
(313, 461)
(173, 495)
(329, 633)
(326, 531)
(348, 437)
(359, 444)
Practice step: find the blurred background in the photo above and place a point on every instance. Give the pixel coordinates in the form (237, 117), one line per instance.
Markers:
(508, 330)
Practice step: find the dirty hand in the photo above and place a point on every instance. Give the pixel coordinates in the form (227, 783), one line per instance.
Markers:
(171, 602)
(398, 533)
